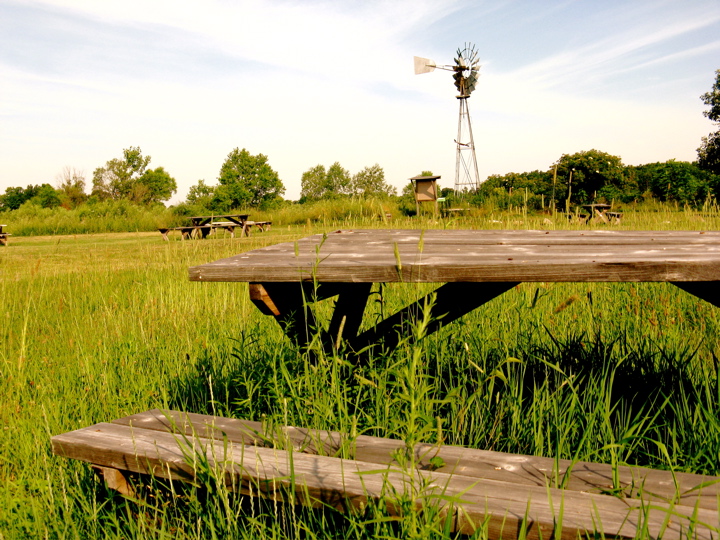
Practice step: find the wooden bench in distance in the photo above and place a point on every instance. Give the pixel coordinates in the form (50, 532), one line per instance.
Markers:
(4, 238)
(229, 226)
(262, 225)
(186, 232)
(614, 217)
(577, 218)
(495, 489)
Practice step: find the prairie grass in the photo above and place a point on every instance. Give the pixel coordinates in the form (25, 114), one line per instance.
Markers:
(95, 327)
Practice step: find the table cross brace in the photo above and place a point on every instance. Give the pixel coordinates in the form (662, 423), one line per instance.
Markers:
(290, 303)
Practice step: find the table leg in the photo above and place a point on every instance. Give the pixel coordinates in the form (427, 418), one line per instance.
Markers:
(348, 313)
(705, 290)
(289, 304)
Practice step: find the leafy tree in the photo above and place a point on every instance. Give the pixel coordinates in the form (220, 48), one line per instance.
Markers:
(46, 197)
(317, 183)
(154, 186)
(709, 151)
(15, 197)
(313, 184)
(247, 181)
(371, 182)
(338, 179)
(712, 100)
(43, 195)
(71, 187)
(200, 194)
(678, 181)
(117, 179)
(595, 175)
(538, 182)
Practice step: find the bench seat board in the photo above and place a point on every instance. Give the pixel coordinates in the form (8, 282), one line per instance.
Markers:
(329, 469)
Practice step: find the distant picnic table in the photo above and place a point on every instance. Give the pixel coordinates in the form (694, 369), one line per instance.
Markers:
(4, 236)
(602, 213)
(202, 226)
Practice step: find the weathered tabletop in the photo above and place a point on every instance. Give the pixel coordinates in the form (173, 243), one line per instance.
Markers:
(239, 219)
(474, 265)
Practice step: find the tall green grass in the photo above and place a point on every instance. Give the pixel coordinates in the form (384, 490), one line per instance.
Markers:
(95, 327)
(122, 216)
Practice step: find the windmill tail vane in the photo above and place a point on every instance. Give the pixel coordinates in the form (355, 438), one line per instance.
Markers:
(423, 65)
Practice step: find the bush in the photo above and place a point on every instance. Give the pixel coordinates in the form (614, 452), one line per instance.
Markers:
(96, 217)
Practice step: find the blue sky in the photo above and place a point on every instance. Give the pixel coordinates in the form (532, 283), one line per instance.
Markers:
(314, 82)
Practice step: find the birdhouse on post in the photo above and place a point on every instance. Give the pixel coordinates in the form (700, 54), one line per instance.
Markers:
(425, 191)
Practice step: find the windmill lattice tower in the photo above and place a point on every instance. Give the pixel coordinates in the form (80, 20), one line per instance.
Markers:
(465, 74)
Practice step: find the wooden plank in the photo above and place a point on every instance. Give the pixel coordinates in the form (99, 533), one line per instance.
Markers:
(447, 256)
(314, 480)
(582, 476)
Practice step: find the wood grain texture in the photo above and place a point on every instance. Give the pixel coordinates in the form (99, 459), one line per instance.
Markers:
(388, 255)
(328, 468)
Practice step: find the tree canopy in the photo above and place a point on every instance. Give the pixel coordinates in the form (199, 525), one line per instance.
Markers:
(588, 175)
(247, 181)
(709, 151)
(127, 178)
(318, 183)
(71, 187)
(43, 195)
(370, 182)
(154, 186)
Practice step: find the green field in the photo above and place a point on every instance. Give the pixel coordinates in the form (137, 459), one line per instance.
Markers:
(95, 327)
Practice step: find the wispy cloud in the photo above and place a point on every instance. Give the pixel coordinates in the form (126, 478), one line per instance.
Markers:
(629, 48)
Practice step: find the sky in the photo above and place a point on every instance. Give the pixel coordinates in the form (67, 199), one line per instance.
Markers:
(322, 81)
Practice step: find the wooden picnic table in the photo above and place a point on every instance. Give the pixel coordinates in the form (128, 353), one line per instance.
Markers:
(473, 266)
(502, 491)
(601, 213)
(203, 225)
(4, 236)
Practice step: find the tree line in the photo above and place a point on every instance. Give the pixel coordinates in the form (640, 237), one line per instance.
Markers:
(248, 181)
(595, 176)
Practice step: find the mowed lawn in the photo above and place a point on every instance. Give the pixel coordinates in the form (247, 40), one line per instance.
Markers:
(95, 327)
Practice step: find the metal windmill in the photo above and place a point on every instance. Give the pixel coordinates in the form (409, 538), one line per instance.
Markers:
(465, 74)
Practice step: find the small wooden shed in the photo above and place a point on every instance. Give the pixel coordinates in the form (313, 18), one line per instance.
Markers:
(426, 190)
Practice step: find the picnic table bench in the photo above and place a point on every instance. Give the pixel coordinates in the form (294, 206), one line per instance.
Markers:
(323, 468)
(4, 236)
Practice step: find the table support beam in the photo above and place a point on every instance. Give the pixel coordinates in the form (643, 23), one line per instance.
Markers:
(290, 303)
(705, 290)
(448, 303)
